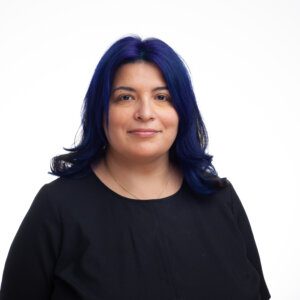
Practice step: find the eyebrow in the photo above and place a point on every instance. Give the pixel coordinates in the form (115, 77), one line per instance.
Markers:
(127, 88)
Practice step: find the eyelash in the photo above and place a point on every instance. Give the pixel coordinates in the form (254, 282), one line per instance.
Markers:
(167, 98)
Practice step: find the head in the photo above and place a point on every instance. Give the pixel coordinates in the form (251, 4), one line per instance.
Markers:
(117, 67)
(181, 132)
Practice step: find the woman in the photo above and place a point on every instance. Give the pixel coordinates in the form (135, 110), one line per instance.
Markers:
(138, 210)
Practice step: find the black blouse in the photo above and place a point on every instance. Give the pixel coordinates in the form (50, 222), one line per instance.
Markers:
(82, 241)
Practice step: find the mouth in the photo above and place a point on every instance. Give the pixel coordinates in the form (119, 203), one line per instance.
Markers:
(144, 132)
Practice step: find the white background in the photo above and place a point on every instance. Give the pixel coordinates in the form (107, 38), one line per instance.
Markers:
(244, 62)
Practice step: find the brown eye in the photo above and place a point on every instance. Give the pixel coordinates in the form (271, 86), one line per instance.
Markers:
(163, 97)
(124, 97)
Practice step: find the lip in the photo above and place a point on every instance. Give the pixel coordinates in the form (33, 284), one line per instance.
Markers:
(142, 130)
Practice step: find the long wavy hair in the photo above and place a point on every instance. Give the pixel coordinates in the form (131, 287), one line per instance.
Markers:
(188, 151)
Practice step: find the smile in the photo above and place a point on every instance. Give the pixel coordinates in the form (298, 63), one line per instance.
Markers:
(144, 133)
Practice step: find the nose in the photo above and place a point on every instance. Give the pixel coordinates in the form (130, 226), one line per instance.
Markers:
(144, 110)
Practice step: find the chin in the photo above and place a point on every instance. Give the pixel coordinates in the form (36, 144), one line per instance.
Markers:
(146, 154)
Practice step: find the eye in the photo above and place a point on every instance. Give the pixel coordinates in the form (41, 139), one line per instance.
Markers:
(124, 97)
(163, 97)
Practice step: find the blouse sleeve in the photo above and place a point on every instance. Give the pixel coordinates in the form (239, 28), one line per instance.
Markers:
(252, 251)
(29, 267)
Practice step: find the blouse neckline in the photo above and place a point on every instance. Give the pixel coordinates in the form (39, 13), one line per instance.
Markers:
(132, 200)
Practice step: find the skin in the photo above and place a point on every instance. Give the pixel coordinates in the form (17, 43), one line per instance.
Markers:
(134, 160)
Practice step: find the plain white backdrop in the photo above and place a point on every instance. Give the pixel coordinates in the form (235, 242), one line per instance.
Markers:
(243, 57)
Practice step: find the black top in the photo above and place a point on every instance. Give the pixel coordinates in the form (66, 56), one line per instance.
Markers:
(81, 240)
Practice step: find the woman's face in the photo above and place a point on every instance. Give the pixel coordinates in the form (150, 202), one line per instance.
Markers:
(140, 101)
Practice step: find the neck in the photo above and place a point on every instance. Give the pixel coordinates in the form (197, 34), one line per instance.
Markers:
(143, 179)
(132, 170)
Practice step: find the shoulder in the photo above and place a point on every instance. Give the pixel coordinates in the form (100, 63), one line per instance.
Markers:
(67, 185)
(222, 198)
(67, 191)
(227, 196)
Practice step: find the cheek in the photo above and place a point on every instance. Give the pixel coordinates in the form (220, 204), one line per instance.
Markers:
(117, 123)
(171, 120)
(118, 116)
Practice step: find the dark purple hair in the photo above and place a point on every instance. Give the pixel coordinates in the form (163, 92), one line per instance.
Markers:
(188, 149)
